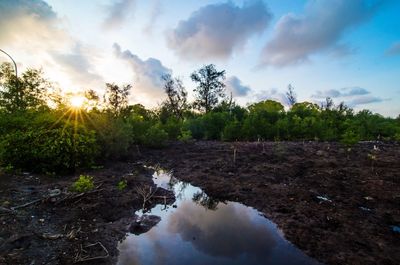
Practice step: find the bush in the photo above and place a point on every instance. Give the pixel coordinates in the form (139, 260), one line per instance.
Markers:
(114, 135)
(45, 150)
(155, 137)
(185, 136)
(232, 131)
(196, 127)
(173, 128)
(350, 138)
(83, 184)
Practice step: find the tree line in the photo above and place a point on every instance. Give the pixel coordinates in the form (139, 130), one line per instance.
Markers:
(41, 131)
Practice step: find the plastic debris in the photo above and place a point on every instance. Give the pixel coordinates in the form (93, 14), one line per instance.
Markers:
(323, 198)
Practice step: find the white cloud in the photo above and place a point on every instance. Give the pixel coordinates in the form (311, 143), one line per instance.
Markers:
(362, 100)
(320, 28)
(272, 94)
(31, 30)
(117, 13)
(148, 84)
(155, 13)
(234, 85)
(218, 30)
(343, 92)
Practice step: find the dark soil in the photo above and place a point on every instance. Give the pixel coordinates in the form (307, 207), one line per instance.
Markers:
(338, 206)
(70, 227)
(350, 223)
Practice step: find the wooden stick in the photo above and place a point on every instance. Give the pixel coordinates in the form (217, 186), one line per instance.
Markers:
(25, 204)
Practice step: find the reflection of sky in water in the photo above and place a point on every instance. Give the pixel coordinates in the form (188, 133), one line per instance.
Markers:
(194, 234)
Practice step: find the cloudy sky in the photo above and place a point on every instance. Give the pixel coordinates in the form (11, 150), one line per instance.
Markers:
(348, 50)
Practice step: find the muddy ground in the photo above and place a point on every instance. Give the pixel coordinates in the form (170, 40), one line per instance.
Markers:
(338, 206)
(71, 227)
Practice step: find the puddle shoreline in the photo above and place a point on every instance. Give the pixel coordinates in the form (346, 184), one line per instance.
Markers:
(197, 229)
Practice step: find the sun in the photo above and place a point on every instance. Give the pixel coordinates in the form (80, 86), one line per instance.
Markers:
(77, 101)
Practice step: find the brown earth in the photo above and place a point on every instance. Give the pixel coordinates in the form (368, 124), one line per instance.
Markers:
(353, 225)
(71, 227)
(338, 206)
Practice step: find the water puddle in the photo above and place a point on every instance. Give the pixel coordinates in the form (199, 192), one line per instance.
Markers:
(200, 230)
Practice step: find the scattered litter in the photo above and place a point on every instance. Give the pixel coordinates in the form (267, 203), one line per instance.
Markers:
(52, 236)
(323, 198)
(54, 193)
(365, 209)
(368, 198)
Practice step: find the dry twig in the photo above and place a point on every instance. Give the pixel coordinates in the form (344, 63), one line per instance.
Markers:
(81, 257)
(146, 194)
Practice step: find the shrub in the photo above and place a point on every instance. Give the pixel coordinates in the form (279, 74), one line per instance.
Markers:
(45, 150)
(350, 138)
(185, 136)
(232, 131)
(196, 127)
(173, 128)
(155, 137)
(83, 184)
(114, 135)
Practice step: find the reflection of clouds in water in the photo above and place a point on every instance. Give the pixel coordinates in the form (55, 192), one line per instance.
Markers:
(228, 232)
(129, 254)
(192, 234)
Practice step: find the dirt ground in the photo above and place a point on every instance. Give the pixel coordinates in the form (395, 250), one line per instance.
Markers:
(71, 227)
(338, 206)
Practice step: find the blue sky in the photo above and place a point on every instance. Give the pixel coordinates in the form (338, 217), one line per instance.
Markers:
(346, 49)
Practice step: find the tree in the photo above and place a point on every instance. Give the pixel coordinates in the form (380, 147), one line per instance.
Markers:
(177, 96)
(21, 93)
(116, 98)
(291, 96)
(210, 87)
(92, 98)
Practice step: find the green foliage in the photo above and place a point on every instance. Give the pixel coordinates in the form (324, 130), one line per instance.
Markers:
(114, 135)
(350, 138)
(30, 91)
(186, 136)
(40, 132)
(41, 147)
(83, 184)
(122, 184)
(155, 137)
(196, 127)
(214, 123)
(210, 87)
(116, 97)
(173, 128)
(232, 131)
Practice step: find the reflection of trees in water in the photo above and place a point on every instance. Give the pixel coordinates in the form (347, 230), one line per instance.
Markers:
(180, 189)
(202, 199)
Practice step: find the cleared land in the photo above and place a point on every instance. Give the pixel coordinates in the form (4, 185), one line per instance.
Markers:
(338, 206)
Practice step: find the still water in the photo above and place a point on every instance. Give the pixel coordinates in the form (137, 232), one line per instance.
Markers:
(203, 231)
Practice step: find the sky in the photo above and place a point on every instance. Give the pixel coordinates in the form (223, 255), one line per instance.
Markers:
(348, 50)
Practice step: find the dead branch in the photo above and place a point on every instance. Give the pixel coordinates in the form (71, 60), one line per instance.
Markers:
(79, 195)
(146, 194)
(80, 258)
(5, 210)
(25, 204)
